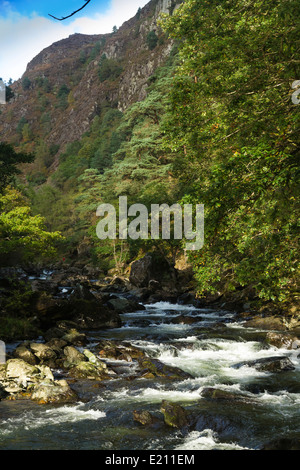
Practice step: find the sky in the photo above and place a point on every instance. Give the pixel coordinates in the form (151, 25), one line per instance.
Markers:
(26, 27)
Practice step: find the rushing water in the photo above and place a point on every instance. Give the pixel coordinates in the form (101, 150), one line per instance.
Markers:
(103, 416)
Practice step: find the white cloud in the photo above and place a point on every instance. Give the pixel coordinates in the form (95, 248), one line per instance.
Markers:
(22, 38)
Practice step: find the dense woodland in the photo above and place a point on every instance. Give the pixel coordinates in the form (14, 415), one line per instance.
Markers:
(218, 127)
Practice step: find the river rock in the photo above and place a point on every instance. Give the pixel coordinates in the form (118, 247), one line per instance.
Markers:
(74, 337)
(282, 340)
(119, 352)
(144, 417)
(266, 323)
(223, 425)
(22, 352)
(185, 320)
(87, 370)
(53, 333)
(22, 377)
(3, 393)
(140, 273)
(174, 415)
(53, 392)
(93, 316)
(187, 298)
(152, 267)
(282, 444)
(269, 364)
(158, 369)
(89, 314)
(57, 345)
(82, 292)
(21, 371)
(72, 356)
(223, 395)
(94, 360)
(43, 352)
(122, 305)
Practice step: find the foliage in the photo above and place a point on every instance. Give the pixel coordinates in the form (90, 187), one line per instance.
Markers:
(62, 96)
(26, 83)
(22, 233)
(109, 69)
(9, 161)
(152, 40)
(232, 124)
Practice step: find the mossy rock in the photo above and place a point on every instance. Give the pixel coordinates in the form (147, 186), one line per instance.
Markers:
(158, 369)
(87, 370)
(174, 415)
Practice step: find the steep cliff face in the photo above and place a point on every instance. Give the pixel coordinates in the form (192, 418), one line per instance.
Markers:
(62, 92)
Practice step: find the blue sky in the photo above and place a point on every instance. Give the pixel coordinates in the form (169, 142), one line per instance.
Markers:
(57, 7)
(26, 28)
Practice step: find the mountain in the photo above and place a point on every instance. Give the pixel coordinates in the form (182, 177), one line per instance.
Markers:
(62, 89)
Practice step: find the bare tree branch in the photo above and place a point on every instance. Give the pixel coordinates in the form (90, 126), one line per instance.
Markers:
(74, 12)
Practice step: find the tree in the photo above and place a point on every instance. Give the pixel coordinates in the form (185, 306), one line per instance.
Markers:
(26, 83)
(152, 40)
(109, 69)
(21, 233)
(9, 159)
(62, 96)
(9, 94)
(233, 129)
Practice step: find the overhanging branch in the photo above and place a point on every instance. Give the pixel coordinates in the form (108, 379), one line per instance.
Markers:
(74, 12)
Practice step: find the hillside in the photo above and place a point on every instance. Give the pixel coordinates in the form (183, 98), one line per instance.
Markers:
(195, 109)
(60, 92)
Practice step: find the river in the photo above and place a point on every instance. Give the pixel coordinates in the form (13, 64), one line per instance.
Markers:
(208, 349)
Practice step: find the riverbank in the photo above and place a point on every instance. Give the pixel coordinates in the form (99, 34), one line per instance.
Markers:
(33, 299)
(170, 377)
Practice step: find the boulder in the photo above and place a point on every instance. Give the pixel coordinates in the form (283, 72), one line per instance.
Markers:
(223, 425)
(152, 267)
(120, 352)
(87, 370)
(154, 285)
(21, 371)
(269, 364)
(158, 369)
(3, 393)
(94, 316)
(211, 393)
(53, 333)
(72, 356)
(22, 352)
(187, 298)
(282, 444)
(94, 360)
(282, 340)
(53, 392)
(82, 292)
(266, 323)
(86, 313)
(74, 337)
(57, 345)
(174, 415)
(43, 352)
(122, 305)
(185, 320)
(144, 417)
(140, 273)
